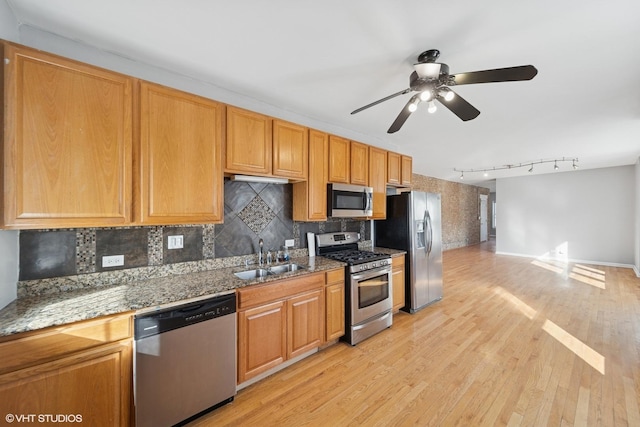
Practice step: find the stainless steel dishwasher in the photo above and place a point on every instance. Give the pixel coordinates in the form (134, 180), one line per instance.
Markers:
(184, 360)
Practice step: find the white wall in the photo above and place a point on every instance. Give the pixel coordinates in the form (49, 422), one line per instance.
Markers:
(8, 23)
(8, 239)
(637, 215)
(591, 213)
(8, 266)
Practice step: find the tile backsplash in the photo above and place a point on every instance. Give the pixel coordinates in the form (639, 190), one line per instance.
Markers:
(251, 211)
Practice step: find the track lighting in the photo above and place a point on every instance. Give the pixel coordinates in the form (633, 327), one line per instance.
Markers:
(573, 160)
(432, 107)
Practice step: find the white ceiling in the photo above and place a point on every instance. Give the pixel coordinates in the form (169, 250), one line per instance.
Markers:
(323, 59)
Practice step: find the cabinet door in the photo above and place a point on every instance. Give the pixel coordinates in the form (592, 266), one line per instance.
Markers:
(397, 279)
(290, 150)
(407, 170)
(359, 163)
(305, 318)
(180, 157)
(334, 298)
(378, 181)
(339, 159)
(394, 168)
(262, 342)
(249, 142)
(310, 197)
(67, 143)
(94, 385)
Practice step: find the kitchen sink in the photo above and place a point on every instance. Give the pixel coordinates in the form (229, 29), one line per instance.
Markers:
(253, 274)
(279, 269)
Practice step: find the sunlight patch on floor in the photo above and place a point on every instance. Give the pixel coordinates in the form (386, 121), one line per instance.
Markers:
(516, 302)
(583, 351)
(547, 266)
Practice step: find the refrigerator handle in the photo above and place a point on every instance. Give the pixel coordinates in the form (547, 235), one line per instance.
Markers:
(424, 228)
(430, 232)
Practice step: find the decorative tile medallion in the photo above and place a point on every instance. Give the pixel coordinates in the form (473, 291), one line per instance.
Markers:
(256, 215)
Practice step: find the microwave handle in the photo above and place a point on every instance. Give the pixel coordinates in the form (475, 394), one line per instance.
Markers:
(366, 197)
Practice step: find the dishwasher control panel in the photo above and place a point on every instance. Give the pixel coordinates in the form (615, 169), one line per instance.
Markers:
(156, 322)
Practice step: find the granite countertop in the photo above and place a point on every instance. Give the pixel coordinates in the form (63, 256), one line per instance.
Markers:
(37, 312)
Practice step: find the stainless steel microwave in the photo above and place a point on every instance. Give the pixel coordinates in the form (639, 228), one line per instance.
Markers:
(349, 201)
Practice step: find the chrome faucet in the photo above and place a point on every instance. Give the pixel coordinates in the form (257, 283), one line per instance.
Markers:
(260, 253)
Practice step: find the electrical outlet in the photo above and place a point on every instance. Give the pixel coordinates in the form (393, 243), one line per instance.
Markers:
(175, 242)
(112, 260)
(289, 243)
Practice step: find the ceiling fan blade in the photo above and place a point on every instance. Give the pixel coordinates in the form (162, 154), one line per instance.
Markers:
(460, 107)
(386, 98)
(402, 117)
(510, 74)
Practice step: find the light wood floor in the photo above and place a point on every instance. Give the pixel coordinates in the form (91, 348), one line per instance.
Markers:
(513, 342)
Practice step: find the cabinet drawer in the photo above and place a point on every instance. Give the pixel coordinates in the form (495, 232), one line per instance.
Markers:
(335, 276)
(282, 289)
(32, 348)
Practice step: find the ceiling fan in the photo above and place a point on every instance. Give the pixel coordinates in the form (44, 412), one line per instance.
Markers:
(432, 82)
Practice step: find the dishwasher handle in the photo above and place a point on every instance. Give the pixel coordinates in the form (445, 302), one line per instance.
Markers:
(157, 322)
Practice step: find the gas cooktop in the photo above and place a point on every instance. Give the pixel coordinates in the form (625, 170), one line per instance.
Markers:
(352, 257)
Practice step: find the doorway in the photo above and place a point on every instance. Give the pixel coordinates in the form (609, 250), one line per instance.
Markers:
(484, 231)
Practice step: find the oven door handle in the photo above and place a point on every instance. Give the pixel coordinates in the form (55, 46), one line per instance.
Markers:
(371, 273)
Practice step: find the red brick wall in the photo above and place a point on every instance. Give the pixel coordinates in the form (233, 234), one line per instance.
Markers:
(460, 209)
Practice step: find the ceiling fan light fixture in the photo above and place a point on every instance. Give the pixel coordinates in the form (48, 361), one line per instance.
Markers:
(446, 93)
(427, 70)
(426, 95)
(432, 107)
(413, 106)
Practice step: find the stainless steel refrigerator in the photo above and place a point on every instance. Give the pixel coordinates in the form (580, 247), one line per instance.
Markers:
(414, 225)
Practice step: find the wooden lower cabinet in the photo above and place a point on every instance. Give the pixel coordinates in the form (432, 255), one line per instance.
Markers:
(334, 303)
(304, 323)
(48, 374)
(262, 339)
(278, 321)
(397, 280)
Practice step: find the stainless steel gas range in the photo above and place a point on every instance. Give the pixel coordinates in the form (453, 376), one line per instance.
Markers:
(368, 281)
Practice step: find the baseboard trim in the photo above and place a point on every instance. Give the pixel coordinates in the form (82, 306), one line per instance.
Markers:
(572, 260)
(635, 269)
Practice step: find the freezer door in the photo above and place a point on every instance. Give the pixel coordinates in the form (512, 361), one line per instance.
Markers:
(419, 256)
(434, 243)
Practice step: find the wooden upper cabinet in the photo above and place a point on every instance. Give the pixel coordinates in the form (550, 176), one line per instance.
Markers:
(359, 163)
(180, 176)
(249, 142)
(394, 168)
(290, 150)
(310, 197)
(339, 159)
(407, 171)
(378, 181)
(67, 142)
